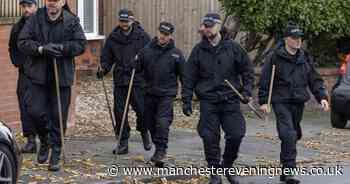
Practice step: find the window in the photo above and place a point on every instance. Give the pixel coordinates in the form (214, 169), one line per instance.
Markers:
(88, 13)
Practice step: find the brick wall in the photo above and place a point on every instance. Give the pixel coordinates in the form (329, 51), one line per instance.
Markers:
(8, 77)
(90, 59)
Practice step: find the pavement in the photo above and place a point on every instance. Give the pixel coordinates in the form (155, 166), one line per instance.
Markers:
(90, 158)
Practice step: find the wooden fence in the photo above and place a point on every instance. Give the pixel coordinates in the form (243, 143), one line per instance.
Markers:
(184, 14)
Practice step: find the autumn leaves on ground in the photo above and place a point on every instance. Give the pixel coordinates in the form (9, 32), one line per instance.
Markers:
(89, 144)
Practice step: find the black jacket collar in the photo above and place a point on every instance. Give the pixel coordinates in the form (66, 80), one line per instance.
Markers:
(282, 52)
(118, 35)
(154, 44)
(225, 39)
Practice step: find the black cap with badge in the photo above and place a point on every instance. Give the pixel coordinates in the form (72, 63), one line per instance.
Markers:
(293, 30)
(166, 27)
(124, 15)
(210, 19)
(27, 2)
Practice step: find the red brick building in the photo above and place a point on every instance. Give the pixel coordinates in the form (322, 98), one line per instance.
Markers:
(8, 75)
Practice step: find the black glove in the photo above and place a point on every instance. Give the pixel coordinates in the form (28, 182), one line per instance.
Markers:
(53, 50)
(100, 73)
(187, 108)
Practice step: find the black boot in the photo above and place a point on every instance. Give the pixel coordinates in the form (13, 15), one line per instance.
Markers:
(146, 141)
(232, 179)
(54, 163)
(43, 153)
(288, 179)
(123, 148)
(215, 179)
(158, 156)
(30, 147)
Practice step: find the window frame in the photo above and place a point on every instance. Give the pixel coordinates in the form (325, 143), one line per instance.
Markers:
(80, 8)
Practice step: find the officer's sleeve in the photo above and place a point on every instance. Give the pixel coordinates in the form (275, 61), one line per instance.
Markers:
(264, 82)
(107, 56)
(180, 66)
(190, 76)
(316, 83)
(246, 70)
(75, 46)
(26, 39)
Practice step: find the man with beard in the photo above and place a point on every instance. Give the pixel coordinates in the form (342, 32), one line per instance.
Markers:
(163, 65)
(19, 59)
(52, 33)
(120, 49)
(216, 59)
(294, 73)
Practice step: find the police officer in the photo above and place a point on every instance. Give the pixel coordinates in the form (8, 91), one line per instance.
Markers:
(213, 60)
(29, 7)
(53, 32)
(294, 73)
(120, 49)
(163, 65)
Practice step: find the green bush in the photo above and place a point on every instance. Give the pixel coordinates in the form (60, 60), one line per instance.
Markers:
(270, 16)
(320, 19)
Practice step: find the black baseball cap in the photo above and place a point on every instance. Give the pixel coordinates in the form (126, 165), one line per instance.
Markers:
(27, 1)
(211, 19)
(294, 31)
(166, 27)
(124, 15)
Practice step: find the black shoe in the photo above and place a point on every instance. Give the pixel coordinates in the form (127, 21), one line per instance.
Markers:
(158, 156)
(146, 141)
(30, 147)
(289, 179)
(43, 153)
(123, 148)
(54, 163)
(215, 179)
